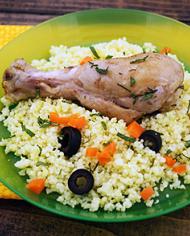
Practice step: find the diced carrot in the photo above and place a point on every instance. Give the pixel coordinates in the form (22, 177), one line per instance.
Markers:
(165, 50)
(111, 148)
(36, 185)
(147, 193)
(55, 118)
(78, 123)
(91, 152)
(104, 157)
(72, 120)
(85, 60)
(103, 161)
(180, 169)
(134, 129)
(74, 116)
(170, 161)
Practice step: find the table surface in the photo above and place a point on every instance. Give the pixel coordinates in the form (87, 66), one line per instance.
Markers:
(20, 218)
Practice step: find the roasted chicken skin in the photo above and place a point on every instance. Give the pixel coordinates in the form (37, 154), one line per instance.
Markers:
(125, 88)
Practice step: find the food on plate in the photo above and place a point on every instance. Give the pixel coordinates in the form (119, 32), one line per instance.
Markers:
(126, 88)
(81, 181)
(36, 185)
(152, 140)
(87, 158)
(70, 140)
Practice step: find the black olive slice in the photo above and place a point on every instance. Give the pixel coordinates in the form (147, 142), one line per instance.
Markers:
(152, 139)
(81, 181)
(70, 140)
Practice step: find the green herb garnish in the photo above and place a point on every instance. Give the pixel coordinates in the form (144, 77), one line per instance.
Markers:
(40, 163)
(93, 50)
(29, 132)
(149, 94)
(188, 108)
(168, 151)
(184, 155)
(104, 125)
(187, 143)
(43, 123)
(126, 138)
(132, 81)
(124, 87)
(12, 106)
(101, 71)
(95, 167)
(138, 60)
(180, 87)
(37, 92)
(96, 114)
(135, 97)
(92, 64)
(40, 150)
(108, 57)
(67, 101)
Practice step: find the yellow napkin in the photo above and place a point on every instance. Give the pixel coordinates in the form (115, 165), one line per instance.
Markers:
(7, 33)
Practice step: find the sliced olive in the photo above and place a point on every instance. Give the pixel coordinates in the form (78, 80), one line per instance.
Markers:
(81, 181)
(152, 139)
(70, 140)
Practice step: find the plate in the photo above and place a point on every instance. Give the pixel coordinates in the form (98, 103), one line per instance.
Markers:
(84, 28)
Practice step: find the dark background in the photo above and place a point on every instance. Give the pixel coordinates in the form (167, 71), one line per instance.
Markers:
(20, 218)
(32, 12)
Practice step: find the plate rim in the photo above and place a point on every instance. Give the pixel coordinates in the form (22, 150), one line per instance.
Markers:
(86, 218)
(79, 217)
(95, 10)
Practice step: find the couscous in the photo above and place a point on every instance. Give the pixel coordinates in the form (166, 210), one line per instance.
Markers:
(132, 173)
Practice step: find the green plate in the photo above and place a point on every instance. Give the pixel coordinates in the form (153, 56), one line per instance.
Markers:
(82, 28)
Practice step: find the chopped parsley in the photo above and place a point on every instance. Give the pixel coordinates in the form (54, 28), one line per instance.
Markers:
(109, 56)
(168, 151)
(104, 125)
(149, 94)
(146, 96)
(67, 101)
(92, 64)
(126, 138)
(184, 155)
(122, 86)
(37, 92)
(135, 97)
(40, 150)
(95, 167)
(29, 132)
(43, 123)
(96, 114)
(138, 60)
(12, 106)
(93, 50)
(99, 70)
(188, 108)
(132, 81)
(180, 87)
(40, 163)
(187, 143)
